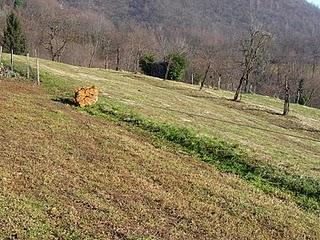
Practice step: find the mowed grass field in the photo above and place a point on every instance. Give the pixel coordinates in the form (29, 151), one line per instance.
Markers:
(65, 174)
(291, 143)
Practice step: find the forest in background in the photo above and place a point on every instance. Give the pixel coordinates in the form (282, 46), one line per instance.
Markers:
(117, 34)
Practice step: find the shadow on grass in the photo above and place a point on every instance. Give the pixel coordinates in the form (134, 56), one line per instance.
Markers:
(268, 111)
(65, 100)
(225, 156)
(243, 106)
(235, 123)
(204, 96)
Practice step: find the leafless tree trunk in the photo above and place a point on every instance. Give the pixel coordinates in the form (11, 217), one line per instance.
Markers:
(239, 89)
(247, 86)
(93, 53)
(106, 62)
(205, 77)
(253, 49)
(286, 108)
(299, 95)
(139, 53)
(55, 45)
(310, 97)
(168, 69)
(314, 65)
(118, 59)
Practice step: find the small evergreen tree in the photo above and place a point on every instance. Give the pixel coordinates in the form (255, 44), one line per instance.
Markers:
(177, 67)
(14, 38)
(146, 62)
(178, 64)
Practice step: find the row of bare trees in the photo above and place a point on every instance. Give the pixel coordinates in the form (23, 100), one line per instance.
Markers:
(291, 75)
(255, 61)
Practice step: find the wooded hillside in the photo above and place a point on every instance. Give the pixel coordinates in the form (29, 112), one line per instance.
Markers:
(284, 17)
(117, 34)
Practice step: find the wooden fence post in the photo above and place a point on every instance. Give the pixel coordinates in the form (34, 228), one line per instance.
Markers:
(11, 60)
(28, 65)
(38, 72)
(192, 78)
(0, 54)
(219, 81)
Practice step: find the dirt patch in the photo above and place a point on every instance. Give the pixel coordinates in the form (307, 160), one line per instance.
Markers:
(14, 86)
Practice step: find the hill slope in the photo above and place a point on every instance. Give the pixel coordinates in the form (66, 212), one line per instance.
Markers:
(290, 142)
(67, 174)
(295, 17)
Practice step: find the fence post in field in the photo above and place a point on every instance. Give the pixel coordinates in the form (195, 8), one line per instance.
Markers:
(28, 65)
(0, 54)
(38, 71)
(11, 60)
(219, 82)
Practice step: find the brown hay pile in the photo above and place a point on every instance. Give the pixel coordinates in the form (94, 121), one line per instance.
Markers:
(86, 96)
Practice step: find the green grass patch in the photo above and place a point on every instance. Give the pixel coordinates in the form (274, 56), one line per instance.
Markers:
(226, 157)
(53, 84)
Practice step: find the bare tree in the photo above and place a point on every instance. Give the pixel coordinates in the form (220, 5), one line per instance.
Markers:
(105, 50)
(170, 42)
(77, 35)
(56, 33)
(54, 44)
(118, 59)
(253, 49)
(95, 39)
(205, 76)
(286, 107)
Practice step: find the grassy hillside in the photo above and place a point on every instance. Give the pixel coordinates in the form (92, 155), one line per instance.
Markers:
(291, 143)
(67, 174)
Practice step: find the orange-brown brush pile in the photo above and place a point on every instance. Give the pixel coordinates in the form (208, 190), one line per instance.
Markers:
(86, 96)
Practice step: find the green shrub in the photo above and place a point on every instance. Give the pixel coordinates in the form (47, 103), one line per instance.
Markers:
(178, 64)
(18, 3)
(146, 63)
(177, 67)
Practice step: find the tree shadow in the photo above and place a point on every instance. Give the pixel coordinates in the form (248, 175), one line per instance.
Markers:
(242, 124)
(203, 96)
(268, 111)
(243, 106)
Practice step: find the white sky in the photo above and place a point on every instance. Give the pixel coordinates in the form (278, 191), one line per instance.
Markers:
(317, 2)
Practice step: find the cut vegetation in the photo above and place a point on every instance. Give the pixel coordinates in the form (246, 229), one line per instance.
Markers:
(136, 172)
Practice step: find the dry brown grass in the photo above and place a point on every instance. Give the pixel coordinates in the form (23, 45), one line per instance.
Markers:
(288, 143)
(64, 174)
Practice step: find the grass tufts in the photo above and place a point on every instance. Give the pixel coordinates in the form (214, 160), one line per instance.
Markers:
(226, 157)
